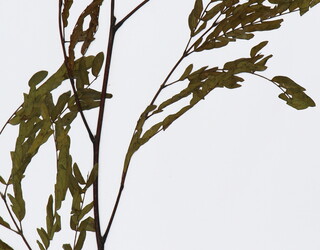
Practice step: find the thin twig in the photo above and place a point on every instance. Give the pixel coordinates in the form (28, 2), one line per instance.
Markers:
(7, 122)
(124, 174)
(131, 13)
(19, 229)
(112, 31)
(96, 142)
(265, 78)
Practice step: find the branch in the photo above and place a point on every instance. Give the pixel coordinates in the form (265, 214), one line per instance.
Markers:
(105, 235)
(124, 174)
(96, 142)
(118, 25)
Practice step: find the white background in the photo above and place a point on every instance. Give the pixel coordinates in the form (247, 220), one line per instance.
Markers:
(238, 172)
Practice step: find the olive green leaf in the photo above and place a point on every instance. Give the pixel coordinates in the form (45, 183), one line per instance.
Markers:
(61, 103)
(2, 181)
(40, 245)
(97, 64)
(87, 225)
(67, 247)
(50, 217)
(194, 16)
(18, 207)
(44, 237)
(85, 210)
(77, 174)
(209, 14)
(4, 223)
(57, 225)
(68, 118)
(93, 176)
(37, 78)
(257, 48)
(294, 94)
(186, 73)
(80, 241)
(5, 246)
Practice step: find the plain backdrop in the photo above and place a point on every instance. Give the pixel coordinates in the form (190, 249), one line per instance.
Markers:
(241, 171)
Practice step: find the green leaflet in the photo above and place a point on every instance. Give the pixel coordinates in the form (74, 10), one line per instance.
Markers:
(294, 94)
(87, 225)
(2, 181)
(74, 186)
(5, 246)
(287, 83)
(85, 210)
(97, 64)
(37, 78)
(61, 103)
(209, 14)
(171, 118)
(76, 202)
(198, 8)
(92, 177)
(194, 16)
(77, 174)
(80, 241)
(151, 132)
(41, 138)
(18, 207)
(4, 223)
(50, 216)
(68, 118)
(257, 48)
(89, 99)
(82, 74)
(67, 247)
(264, 26)
(40, 245)
(186, 73)
(44, 237)
(57, 224)
(64, 164)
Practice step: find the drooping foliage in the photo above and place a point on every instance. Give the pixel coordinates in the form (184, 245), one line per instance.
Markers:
(213, 25)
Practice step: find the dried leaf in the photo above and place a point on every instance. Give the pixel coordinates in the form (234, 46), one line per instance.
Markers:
(257, 48)
(67, 247)
(5, 246)
(49, 218)
(77, 174)
(97, 64)
(4, 223)
(37, 78)
(44, 237)
(80, 241)
(186, 73)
